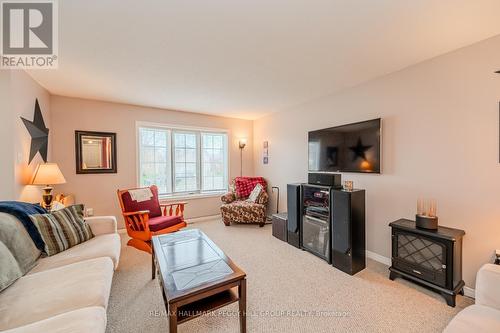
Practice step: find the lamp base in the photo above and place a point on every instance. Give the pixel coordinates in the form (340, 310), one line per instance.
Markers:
(47, 197)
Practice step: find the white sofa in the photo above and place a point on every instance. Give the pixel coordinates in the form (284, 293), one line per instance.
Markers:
(484, 316)
(67, 292)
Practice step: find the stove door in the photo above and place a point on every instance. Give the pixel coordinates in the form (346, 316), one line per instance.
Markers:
(316, 236)
(420, 256)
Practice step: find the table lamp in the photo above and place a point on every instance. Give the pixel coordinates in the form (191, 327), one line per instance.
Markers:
(48, 174)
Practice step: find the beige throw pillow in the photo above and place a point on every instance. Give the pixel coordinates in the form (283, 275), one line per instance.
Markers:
(254, 195)
(15, 237)
(10, 270)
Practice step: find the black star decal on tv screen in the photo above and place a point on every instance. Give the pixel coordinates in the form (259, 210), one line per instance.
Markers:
(39, 134)
(359, 150)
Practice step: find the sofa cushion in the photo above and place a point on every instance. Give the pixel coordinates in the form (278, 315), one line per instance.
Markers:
(162, 222)
(245, 185)
(107, 245)
(14, 235)
(475, 318)
(85, 320)
(52, 292)
(153, 205)
(9, 269)
(244, 212)
(62, 229)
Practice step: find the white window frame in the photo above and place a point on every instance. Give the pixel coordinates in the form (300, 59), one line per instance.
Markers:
(225, 145)
(174, 162)
(171, 162)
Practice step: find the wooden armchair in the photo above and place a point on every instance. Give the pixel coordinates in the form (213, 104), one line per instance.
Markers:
(146, 218)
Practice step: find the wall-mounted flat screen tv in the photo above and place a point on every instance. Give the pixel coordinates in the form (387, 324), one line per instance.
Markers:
(348, 148)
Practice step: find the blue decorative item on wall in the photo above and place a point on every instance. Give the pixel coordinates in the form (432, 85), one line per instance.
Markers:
(39, 134)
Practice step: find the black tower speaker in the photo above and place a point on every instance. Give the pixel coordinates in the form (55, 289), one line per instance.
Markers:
(294, 207)
(348, 230)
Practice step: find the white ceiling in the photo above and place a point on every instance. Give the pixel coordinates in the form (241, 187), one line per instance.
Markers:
(249, 58)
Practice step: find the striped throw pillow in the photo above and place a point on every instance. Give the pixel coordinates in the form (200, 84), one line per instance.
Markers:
(62, 229)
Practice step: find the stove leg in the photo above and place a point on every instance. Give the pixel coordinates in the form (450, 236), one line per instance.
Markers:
(393, 275)
(450, 299)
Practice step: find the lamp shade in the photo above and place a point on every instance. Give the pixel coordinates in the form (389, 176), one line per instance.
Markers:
(48, 174)
(242, 143)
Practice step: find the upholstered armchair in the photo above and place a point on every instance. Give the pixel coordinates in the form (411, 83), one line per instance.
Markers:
(237, 208)
(146, 216)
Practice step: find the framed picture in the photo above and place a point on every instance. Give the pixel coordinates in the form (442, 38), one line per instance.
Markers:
(265, 153)
(95, 152)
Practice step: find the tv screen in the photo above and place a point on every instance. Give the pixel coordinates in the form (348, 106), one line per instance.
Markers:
(347, 148)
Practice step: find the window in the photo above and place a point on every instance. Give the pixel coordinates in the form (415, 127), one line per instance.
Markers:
(214, 161)
(182, 161)
(186, 162)
(155, 166)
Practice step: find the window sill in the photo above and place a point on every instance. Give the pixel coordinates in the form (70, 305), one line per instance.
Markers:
(191, 196)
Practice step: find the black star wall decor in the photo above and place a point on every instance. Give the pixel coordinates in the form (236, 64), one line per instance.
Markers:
(359, 150)
(39, 134)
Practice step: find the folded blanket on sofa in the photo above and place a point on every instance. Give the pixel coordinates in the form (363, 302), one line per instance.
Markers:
(23, 210)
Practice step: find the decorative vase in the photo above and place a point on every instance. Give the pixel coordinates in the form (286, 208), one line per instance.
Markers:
(426, 214)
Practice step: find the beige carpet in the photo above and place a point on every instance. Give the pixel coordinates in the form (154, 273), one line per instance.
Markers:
(281, 280)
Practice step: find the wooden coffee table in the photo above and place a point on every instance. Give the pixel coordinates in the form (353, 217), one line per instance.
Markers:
(196, 277)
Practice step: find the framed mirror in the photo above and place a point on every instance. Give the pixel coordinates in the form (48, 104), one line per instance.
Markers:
(95, 152)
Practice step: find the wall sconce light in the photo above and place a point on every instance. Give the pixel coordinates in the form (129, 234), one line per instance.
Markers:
(242, 143)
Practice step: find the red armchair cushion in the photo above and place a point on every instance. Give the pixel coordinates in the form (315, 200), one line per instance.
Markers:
(162, 222)
(153, 205)
(245, 185)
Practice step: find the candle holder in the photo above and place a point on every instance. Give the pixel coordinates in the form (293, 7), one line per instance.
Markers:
(348, 185)
(426, 214)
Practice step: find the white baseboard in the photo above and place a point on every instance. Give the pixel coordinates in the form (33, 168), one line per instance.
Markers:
(378, 257)
(469, 292)
(203, 218)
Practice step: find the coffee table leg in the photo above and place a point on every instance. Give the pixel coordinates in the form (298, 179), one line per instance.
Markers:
(153, 266)
(172, 318)
(242, 292)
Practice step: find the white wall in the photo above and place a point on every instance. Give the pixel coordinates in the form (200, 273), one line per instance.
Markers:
(440, 140)
(19, 92)
(99, 190)
(6, 133)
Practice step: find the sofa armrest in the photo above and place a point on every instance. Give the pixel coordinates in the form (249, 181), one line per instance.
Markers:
(488, 286)
(101, 225)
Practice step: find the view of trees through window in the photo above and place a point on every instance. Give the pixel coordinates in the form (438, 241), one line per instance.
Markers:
(183, 161)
